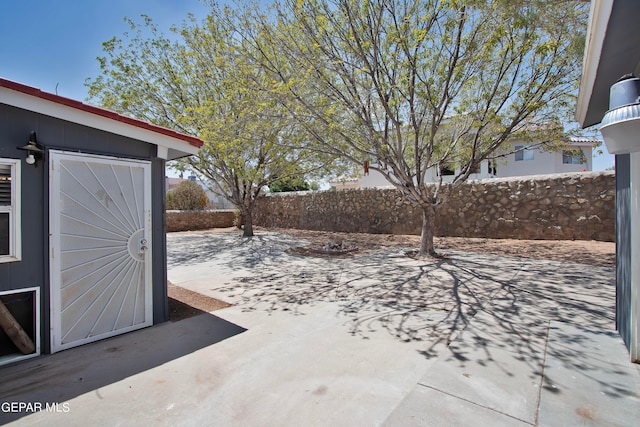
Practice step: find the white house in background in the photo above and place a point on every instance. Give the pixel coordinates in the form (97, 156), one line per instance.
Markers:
(215, 200)
(346, 183)
(517, 158)
(577, 156)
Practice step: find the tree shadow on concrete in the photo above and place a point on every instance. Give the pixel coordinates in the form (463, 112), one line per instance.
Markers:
(595, 357)
(184, 249)
(474, 305)
(489, 302)
(60, 377)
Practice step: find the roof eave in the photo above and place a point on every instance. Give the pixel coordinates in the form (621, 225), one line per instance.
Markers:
(171, 144)
(599, 14)
(612, 50)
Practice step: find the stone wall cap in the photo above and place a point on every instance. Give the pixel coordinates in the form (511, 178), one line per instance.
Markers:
(588, 174)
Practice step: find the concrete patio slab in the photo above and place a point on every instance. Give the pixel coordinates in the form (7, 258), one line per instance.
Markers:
(502, 331)
(307, 368)
(375, 339)
(588, 379)
(490, 377)
(428, 407)
(81, 377)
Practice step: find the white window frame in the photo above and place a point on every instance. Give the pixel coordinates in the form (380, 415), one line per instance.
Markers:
(14, 211)
(574, 157)
(524, 152)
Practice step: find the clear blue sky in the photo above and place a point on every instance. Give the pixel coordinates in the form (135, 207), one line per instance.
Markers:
(44, 43)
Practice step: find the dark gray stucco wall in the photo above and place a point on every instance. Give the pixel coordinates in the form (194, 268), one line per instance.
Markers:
(33, 270)
(158, 224)
(623, 247)
(15, 126)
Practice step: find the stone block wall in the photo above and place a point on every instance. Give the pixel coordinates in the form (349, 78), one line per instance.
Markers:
(200, 220)
(575, 206)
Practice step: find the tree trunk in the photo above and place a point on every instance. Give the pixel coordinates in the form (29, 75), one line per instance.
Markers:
(247, 222)
(428, 230)
(239, 220)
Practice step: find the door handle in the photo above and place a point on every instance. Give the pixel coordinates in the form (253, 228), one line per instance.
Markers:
(143, 246)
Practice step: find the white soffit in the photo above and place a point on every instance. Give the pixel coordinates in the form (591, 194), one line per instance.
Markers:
(599, 14)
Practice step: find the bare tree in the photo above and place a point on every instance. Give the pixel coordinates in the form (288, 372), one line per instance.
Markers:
(412, 86)
(202, 81)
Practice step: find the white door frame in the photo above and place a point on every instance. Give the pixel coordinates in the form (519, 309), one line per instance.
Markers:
(55, 245)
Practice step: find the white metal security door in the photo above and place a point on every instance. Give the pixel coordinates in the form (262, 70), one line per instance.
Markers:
(100, 223)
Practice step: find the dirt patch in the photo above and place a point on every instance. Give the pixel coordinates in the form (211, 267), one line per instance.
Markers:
(574, 251)
(184, 303)
(589, 252)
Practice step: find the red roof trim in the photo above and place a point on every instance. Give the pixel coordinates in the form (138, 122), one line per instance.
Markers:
(68, 102)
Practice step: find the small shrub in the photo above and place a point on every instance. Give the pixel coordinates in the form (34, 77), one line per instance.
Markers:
(291, 183)
(187, 196)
